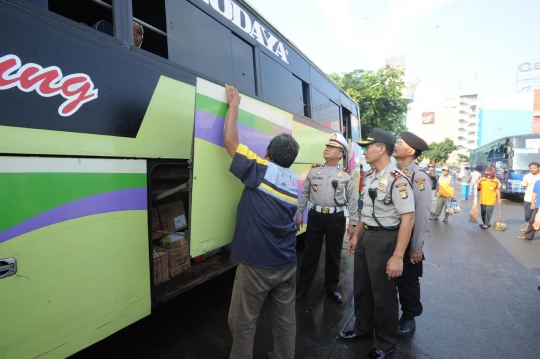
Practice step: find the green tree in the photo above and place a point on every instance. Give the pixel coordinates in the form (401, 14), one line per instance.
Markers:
(462, 157)
(379, 95)
(438, 152)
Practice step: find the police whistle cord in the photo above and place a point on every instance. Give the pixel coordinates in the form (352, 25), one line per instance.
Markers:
(372, 194)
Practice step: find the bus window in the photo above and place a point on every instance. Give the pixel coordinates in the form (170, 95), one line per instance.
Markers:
(151, 15)
(96, 14)
(277, 83)
(325, 112)
(346, 118)
(300, 97)
(243, 66)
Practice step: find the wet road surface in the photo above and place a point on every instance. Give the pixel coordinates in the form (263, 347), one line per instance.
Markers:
(479, 293)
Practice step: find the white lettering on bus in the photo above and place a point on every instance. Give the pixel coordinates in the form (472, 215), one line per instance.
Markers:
(231, 11)
(77, 89)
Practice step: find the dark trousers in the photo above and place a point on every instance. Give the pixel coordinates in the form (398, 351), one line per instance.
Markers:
(530, 230)
(487, 212)
(409, 297)
(528, 211)
(375, 297)
(409, 288)
(330, 227)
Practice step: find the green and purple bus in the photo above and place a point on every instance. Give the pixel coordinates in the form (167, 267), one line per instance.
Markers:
(96, 132)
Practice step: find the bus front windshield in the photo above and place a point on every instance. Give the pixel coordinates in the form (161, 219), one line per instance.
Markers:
(523, 157)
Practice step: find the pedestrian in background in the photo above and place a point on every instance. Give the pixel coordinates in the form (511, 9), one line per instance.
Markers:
(379, 244)
(475, 177)
(490, 190)
(533, 227)
(528, 183)
(445, 194)
(330, 194)
(434, 179)
(264, 242)
(408, 149)
(465, 181)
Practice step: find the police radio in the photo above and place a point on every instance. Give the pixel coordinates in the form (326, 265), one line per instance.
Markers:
(344, 205)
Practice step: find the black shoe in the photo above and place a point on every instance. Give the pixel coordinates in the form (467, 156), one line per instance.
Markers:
(335, 296)
(406, 327)
(300, 295)
(379, 354)
(351, 335)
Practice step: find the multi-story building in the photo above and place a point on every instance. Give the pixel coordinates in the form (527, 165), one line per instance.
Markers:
(467, 123)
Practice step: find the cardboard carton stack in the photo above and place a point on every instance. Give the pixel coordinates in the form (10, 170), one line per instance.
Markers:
(170, 217)
(177, 247)
(161, 265)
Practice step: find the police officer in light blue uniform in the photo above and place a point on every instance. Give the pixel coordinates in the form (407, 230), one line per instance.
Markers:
(407, 150)
(330, 195)
(379, 244)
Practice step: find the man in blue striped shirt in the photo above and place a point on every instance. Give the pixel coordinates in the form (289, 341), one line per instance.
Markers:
(264, 242)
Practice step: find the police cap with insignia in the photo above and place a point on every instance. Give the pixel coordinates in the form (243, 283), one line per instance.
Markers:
(379, 136)
(414, 141)
(336, 139)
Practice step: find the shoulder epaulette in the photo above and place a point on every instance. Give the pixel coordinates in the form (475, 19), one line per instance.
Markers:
(345, 169)
(316, 165)
(396, 174)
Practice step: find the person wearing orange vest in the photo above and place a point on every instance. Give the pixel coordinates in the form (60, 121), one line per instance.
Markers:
(445, 194)
(490, 190)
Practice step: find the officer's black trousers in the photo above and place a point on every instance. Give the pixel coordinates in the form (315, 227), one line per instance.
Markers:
(332, 228)
(409, 297)
(375, 297)
(409, 288)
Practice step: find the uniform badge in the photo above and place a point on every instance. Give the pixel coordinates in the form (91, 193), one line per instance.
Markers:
(383, 182)
(319, 173)
(421, 187)
(315, 188)
(400, 185)
(403, 193)
(334, 136)
(339, 175)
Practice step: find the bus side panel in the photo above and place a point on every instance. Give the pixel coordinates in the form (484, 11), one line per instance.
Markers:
(78, 229)
(216, 191)
(141, 108)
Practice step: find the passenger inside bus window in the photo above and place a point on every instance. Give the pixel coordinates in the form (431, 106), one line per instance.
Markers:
(138, 34)
(152, 15)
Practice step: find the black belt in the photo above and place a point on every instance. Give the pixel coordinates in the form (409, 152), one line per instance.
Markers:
(375, 228)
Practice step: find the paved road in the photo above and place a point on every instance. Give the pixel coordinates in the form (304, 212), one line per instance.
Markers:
(479, 292)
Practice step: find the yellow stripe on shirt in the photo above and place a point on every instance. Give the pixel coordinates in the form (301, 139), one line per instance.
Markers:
(279, 194)
(245, 151)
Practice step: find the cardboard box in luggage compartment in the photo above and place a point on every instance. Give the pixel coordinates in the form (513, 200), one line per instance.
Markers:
(161, 267)
(173, 218)
(177, 270)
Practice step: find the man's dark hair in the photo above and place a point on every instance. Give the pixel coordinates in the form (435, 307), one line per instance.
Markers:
(389, 148)
(534, 164)
(283, 150)
(417, 153)
(466, 168)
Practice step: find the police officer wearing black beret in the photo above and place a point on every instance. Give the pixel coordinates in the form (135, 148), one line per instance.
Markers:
(379, 244)
(407, 150)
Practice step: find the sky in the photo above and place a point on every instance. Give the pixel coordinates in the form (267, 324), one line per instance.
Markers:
(450, 46)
